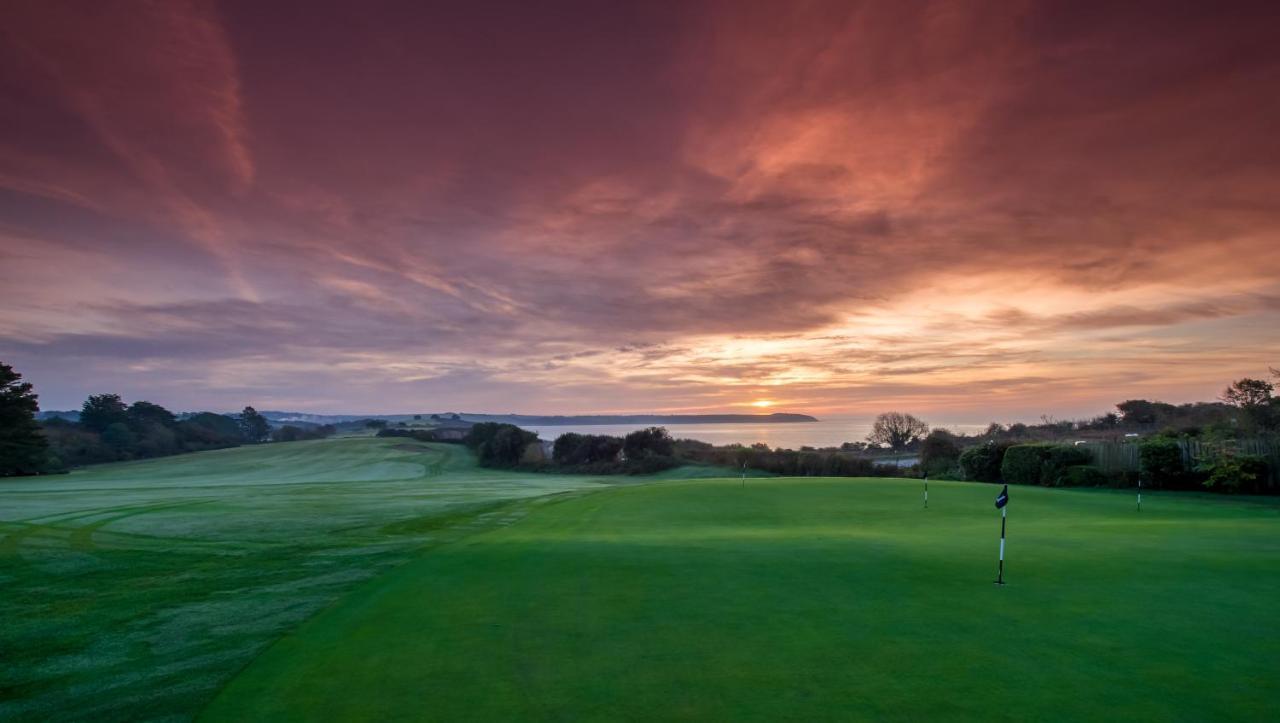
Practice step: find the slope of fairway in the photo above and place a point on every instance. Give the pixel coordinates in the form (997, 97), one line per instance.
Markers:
(805, 600)
(134, 591)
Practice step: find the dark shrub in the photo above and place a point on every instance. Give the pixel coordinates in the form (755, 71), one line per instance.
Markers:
(293, 433)
(75, 445)
(983, 463)
(1021, 465)
(1059, 457)
(1084, 475)
(120, 438)
(1040, 464)
(576, 450)
(1160, 462)
(651, 464)
(1242, 473)
(651, 442)
(498, 445)
(692, 448)
(422, 435)
(207, 430)
(939, 452)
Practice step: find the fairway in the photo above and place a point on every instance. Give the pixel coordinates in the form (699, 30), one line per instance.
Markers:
(796, 599)
(134, 591)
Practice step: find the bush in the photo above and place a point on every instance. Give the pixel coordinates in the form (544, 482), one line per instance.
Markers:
(207, 430)
(1021, 465)
(577, 450)
(1243, 473)
(651, 442)
(1057, 459)
(1084, 475)
(498, 445)
(938, 452)
(1160, 463)
(651, 464)
(291, 433)
(983, 463)
(1041, 464)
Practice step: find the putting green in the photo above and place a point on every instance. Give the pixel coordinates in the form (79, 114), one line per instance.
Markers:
(805, 600)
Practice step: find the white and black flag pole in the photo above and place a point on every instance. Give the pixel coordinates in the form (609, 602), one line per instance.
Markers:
(1139, 494)
(1002, 504)
(926, 490)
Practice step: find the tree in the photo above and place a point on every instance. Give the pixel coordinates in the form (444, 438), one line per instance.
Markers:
(651, 442)
(23, 448)
(119, 438)
(254, 426)
(155, 429)
(100, 411)
(1160, 463)
(982, 463)
(897, 431)
(939, 452)
(287, 433)
(1248, 393)
(497, 444)
(142, 415)
(208, 430)
(1253, 397)
(573, 449)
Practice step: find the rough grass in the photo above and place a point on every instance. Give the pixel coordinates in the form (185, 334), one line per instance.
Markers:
(806, 600)
(135, 591)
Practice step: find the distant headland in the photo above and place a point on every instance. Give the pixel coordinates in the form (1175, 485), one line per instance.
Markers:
(525, 420)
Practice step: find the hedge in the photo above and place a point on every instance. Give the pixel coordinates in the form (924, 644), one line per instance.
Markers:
(1041, 464)
(1160, 461)
(983, 463)
(1084, 475)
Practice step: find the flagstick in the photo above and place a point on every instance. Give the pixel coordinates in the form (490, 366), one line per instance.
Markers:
(926, 492)
(744, 475)
(1004, 514)
(1139, 494)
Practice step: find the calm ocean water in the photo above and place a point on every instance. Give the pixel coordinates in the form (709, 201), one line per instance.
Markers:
(792, 435)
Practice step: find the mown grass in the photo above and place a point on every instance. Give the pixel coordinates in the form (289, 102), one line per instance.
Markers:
(135, 591)
(805, 600)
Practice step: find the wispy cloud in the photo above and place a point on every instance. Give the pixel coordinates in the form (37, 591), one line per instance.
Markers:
(848, 206)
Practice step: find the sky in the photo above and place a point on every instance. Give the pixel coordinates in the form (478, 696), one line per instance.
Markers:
(970, 211)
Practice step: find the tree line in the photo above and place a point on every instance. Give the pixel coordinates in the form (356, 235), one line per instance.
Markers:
(648, 451)
(110, 430)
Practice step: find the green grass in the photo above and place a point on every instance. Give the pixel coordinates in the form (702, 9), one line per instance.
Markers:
(135, 591)
(376, 579)
(805, 600)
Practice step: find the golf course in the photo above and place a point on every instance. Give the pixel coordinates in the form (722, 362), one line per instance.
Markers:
(381, 579)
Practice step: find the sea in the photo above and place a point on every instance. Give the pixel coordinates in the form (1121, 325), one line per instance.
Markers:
(828, 432)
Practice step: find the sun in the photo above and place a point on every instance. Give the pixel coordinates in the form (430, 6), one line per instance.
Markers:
(762, 403)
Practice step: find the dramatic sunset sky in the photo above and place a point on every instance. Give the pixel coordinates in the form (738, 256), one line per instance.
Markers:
(970, 211)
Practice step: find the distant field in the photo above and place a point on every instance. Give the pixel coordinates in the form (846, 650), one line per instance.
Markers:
(806, 600)
(135, 591)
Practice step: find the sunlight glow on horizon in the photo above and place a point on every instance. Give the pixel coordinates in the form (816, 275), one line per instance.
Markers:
(825, 208)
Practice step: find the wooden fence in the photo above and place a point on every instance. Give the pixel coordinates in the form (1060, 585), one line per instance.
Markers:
(1114, 457)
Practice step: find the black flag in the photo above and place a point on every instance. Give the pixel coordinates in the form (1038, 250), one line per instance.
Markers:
(1002, 499)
